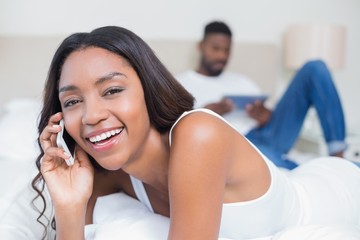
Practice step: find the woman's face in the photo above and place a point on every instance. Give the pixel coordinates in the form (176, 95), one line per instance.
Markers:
(103, 106)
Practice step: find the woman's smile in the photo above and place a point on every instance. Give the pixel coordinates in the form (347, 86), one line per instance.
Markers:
(103, 106)
(106, 140)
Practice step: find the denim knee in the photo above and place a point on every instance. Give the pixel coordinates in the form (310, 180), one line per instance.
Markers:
(315, 65)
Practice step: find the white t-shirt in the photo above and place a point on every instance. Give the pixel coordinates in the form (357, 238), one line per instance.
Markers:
(207, 89)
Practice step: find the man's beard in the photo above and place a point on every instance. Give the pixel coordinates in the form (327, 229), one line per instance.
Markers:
(211, 70)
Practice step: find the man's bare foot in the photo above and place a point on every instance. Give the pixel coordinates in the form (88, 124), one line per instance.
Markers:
(338, 154)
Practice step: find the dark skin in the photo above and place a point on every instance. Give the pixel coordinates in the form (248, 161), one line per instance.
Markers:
(123, 141)
(108, 182)
(215, 51)
(259, 112)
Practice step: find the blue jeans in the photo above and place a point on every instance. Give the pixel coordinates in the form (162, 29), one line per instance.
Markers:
(311, 86)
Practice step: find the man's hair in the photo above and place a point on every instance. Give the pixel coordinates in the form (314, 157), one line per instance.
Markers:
(217, 27)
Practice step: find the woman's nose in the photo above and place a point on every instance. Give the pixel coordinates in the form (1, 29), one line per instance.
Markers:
(94, 112)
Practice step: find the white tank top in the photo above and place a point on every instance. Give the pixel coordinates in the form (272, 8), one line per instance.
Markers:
(290, 199)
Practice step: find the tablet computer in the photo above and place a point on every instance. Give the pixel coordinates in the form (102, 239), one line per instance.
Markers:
(242, 100)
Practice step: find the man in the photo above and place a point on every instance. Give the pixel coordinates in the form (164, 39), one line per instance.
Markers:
(273, 132)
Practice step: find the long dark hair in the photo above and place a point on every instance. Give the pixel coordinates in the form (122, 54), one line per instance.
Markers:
(165, 98)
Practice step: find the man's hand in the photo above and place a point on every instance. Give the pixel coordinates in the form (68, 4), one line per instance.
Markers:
(258, 112)
(221, 107)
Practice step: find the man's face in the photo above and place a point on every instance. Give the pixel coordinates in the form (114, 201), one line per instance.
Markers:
(215, 52)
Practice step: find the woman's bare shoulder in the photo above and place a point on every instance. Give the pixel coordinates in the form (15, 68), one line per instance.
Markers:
(204, 137)
(202, 126)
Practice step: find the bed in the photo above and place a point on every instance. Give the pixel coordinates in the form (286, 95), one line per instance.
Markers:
(23, 66)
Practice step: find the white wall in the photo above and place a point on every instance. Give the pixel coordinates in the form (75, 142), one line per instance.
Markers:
(250, 20)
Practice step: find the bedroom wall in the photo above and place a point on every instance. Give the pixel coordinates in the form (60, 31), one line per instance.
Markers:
(251, 20)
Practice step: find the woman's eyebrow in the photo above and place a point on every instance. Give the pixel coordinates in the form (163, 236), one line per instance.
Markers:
(108, 77)
(99, 81)
(67, 88)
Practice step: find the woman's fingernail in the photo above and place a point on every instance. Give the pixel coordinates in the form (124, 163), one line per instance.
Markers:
(68, 155)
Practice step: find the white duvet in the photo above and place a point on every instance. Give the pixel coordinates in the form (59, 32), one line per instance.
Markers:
(118, 216)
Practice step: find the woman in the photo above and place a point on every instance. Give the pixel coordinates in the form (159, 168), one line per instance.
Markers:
(133, 123)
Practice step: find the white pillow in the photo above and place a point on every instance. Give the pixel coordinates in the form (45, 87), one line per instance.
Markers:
(118, 216)
(18, 129)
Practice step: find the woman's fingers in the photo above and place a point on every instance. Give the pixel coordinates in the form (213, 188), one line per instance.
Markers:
(52, 158)
(48, 135)
(52, 152)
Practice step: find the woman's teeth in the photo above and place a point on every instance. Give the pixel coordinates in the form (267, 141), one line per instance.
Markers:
(105, 135)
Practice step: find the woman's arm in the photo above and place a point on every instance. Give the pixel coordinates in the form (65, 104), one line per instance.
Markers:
(200, 157)
(70, 196)
(70, 222)
(70, 187)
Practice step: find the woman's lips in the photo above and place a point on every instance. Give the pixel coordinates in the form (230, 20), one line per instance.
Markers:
(105, 135)
(105, 140)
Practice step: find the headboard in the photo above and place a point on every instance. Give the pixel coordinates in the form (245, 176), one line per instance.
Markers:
(24, 62)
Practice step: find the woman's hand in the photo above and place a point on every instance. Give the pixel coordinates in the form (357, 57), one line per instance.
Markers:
(68, 185)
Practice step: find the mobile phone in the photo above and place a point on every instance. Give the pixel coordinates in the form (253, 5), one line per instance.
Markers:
(63, 140)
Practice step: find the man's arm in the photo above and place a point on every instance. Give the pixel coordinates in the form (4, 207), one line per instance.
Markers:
(221, 107)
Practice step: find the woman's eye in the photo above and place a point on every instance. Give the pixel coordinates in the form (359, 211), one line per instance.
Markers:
(112, 91)
(71, 102)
